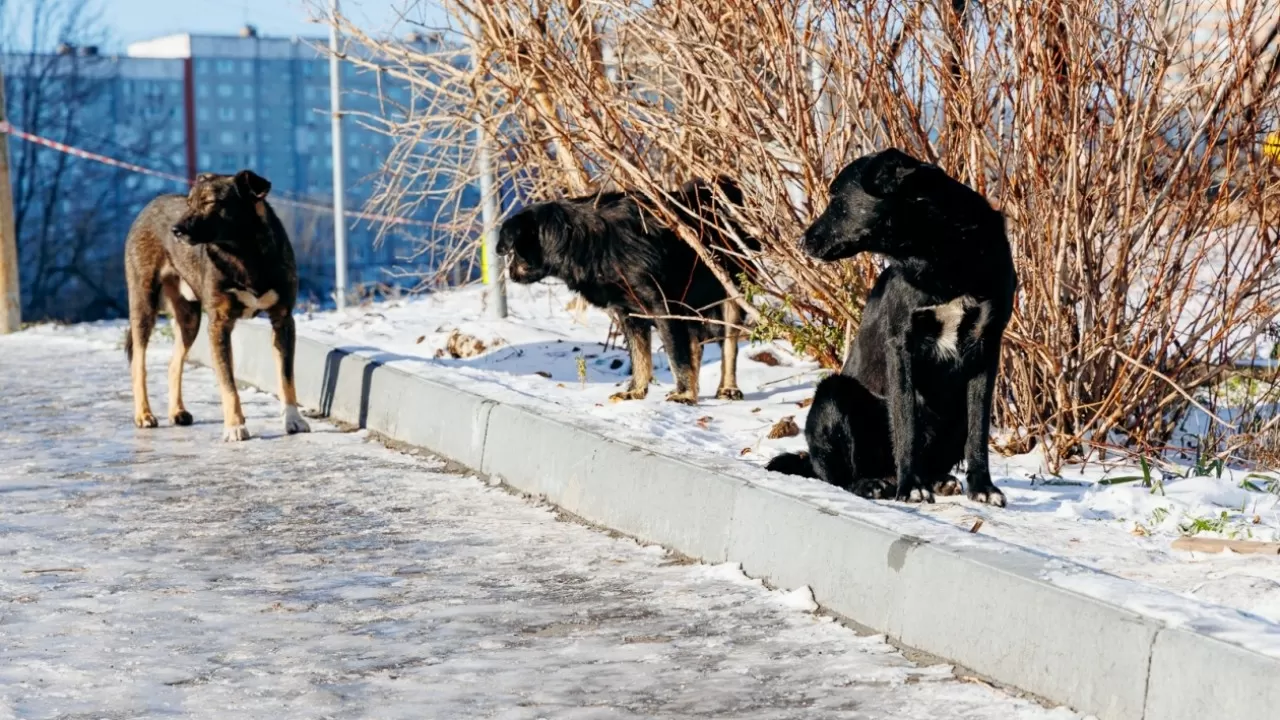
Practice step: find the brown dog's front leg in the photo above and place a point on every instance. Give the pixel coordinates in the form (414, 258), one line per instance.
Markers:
(233, 429)
(285, 340)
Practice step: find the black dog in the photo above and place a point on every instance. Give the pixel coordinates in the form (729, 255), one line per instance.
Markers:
(613, 250)
(914, 396)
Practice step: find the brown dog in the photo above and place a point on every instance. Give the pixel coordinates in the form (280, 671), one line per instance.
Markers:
(221, 248)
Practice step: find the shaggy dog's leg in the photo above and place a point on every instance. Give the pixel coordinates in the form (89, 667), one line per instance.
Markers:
(728, 389)
(639, 343)
(679, 344)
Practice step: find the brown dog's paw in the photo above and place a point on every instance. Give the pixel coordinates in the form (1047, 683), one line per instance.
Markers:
(684, 397)
(628, 395)
(293, 422)
(729, 393)
(182, 418)
(146, 420)
(235, 433)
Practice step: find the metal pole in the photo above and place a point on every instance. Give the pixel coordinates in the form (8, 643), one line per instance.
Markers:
(339, 184)
(494, 270)
(10, 297)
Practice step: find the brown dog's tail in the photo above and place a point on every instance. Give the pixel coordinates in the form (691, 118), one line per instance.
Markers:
(793, 464)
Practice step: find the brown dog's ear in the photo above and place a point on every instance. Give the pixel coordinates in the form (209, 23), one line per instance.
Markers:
(251, 186)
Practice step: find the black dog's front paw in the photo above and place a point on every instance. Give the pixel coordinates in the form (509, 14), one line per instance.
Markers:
(982, 490)
(914, 490)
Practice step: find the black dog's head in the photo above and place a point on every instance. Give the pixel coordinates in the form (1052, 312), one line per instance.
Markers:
(526, 241)
(223, 209)
(871, 200)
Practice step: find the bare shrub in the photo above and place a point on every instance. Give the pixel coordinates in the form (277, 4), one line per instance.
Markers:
(1124, 156)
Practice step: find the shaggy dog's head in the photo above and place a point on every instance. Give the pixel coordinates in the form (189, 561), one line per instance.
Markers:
(891, 203)
(529, 239)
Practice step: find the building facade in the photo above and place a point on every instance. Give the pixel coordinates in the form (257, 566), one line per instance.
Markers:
(183, 105)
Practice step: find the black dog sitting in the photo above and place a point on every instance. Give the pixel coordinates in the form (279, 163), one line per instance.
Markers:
(914, 396)
(613, 250)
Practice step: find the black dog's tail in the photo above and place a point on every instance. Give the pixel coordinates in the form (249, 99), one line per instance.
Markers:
(793, 464)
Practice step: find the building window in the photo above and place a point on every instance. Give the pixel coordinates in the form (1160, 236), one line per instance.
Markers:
(203, 114)
(308, 68)
(248, 92)
(265, 113)
(202, 91)
(266, 138)
(203, 136)
(179, 160)
(225, 90)
(226, 67)
(227, 137)
(248, 137)
(177, 136)
(205, 161)
(226, 113)
(248, 115)
(246, 68)
(228, 161)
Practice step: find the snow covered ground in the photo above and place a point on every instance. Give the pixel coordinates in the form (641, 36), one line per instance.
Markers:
(544, 356)
(151, 573)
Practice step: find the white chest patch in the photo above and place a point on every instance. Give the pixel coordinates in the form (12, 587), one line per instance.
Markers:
(186, 291)
(253, 304)
(951, 316)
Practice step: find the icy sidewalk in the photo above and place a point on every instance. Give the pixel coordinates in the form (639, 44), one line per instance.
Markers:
(161, 572)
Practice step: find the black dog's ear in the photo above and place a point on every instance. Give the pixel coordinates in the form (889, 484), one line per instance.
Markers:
(251, 186)
(887, 170)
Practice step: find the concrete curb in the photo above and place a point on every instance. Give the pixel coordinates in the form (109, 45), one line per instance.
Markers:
(984, 604)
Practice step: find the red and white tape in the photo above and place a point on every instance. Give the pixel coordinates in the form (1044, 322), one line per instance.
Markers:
(7, 128)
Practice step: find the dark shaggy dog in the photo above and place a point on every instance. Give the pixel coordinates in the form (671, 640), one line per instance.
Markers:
(221, 249)
(613, 250)
(914, 396)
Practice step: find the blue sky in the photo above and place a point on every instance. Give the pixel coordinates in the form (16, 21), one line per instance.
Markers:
(131, 20)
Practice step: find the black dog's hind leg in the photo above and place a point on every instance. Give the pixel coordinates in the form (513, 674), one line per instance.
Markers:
(976, 451)
(847, 433)
(639, 335)
(904, 425)
(680, 344)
